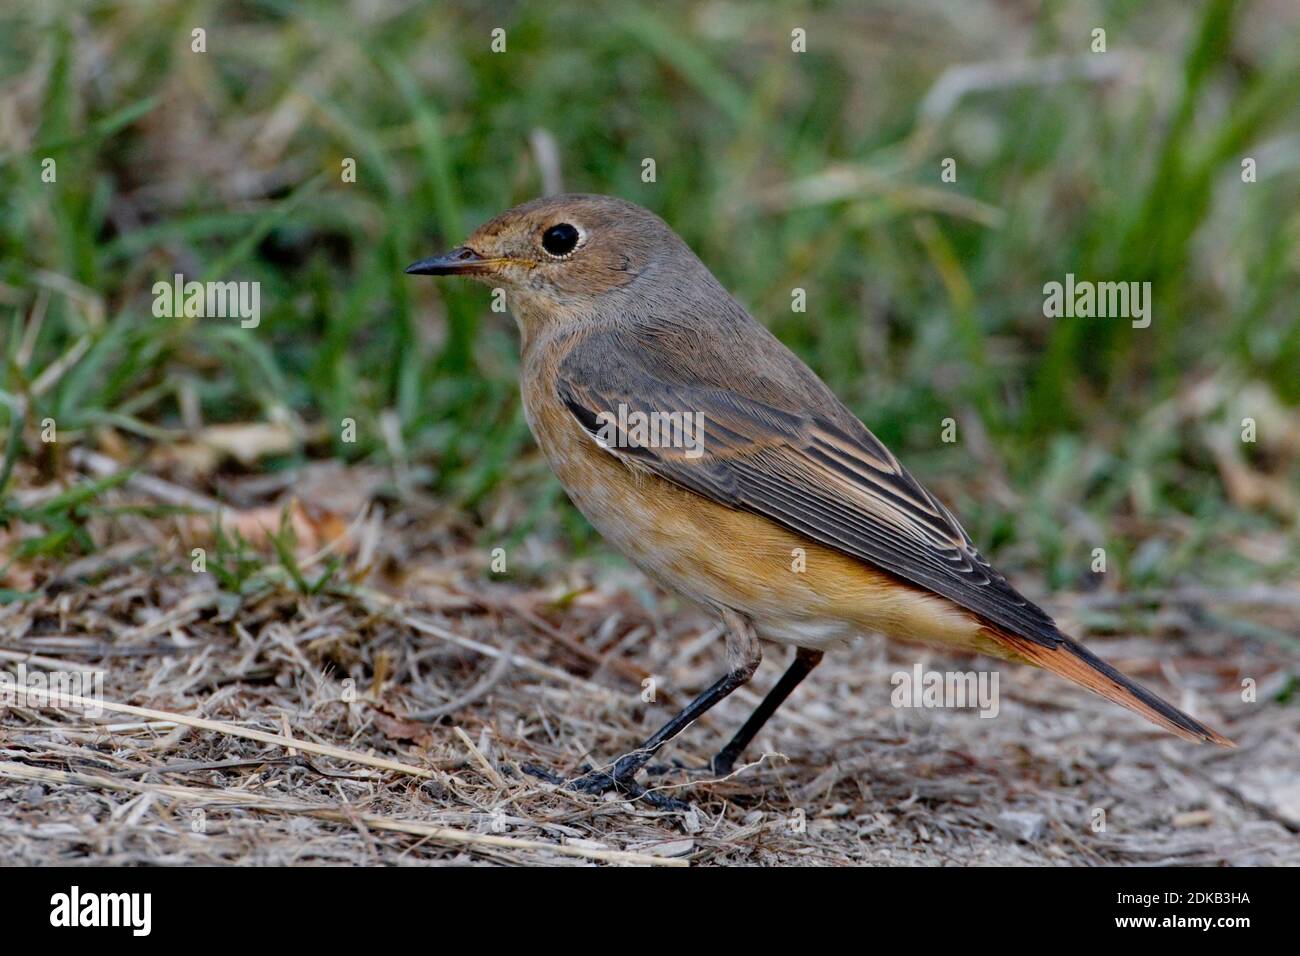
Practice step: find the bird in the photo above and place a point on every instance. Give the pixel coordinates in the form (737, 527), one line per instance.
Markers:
(720, 464)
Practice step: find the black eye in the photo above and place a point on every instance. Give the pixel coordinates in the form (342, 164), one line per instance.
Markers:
(560, 239)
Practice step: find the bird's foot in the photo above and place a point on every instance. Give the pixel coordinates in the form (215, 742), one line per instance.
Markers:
(597, 782)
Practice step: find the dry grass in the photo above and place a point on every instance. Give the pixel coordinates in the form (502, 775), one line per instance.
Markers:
(278, 727)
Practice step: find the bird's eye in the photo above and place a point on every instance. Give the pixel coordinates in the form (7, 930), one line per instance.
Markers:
(560, 239)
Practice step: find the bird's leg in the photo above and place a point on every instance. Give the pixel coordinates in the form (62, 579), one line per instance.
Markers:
(743, 657)
(805, 659)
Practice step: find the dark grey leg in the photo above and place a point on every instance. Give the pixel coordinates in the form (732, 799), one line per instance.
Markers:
(743, 657)
(805, 659)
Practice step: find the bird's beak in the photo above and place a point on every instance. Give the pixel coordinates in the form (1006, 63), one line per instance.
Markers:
(462, 261)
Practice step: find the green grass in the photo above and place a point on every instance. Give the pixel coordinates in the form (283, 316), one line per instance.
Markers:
(226, 165)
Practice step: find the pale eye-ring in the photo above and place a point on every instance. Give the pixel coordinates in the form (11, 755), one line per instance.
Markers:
(560, 240)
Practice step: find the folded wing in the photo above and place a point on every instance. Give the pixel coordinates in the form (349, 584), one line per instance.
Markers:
(831, 481)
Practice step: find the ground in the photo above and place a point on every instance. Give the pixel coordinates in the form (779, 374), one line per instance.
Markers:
(384, 635)
(892, 199)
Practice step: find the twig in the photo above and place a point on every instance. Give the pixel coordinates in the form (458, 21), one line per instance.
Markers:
(546, 152)
(49, 663)
(482, 761)
(1255, 595)
(57, 699)
(625, 668)
(957, 81)
(155, 488)
(478, 691)
(518, 660)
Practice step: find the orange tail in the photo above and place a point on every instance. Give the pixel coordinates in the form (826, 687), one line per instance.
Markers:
(1075, 662)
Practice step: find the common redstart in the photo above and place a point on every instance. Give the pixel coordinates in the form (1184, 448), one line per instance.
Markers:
(722, 466)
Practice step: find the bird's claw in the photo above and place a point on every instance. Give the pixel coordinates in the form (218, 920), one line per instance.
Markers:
(597, 782)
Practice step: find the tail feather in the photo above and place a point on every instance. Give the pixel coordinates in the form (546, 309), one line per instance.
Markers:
(1076, 663)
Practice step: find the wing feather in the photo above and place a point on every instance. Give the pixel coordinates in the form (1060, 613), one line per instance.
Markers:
(822, 478)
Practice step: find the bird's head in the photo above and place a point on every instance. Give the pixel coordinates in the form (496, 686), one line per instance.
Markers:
(568, 256)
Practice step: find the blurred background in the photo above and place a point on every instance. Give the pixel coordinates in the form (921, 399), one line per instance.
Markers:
(819, 170)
